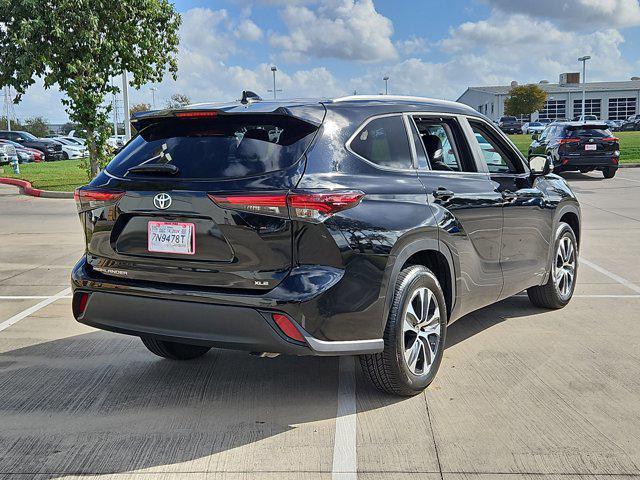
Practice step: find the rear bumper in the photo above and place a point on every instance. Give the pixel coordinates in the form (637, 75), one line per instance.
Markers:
(577, 162)
(241, 322)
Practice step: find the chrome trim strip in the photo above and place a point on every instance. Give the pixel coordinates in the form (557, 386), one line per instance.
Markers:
(348, 347)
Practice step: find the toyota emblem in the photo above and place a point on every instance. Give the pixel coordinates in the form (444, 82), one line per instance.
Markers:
(162, 201)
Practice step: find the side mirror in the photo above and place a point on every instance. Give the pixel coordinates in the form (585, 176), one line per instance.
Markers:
(540, 166)
(535, 136)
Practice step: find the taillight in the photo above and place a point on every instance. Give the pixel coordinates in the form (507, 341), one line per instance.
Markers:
(90, 198)
(309, 206)
(79, 303)
(610, 139)
(287, 327)
(319, 206)
(197, 114)
(274, 204)
(562, 141)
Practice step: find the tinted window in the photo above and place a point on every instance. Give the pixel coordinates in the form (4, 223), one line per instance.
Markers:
(421, 155)
(223, 147)
(384, 142)
(495, 154)
(588, 133)
(438, 139)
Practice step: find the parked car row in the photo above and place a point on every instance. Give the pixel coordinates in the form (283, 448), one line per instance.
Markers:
(30, 148)
(510, 124)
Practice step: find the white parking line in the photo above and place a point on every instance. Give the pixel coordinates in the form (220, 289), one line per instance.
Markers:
(25, 313)
(28, 297)
(611, 275)
(628, 179)
(345, 461)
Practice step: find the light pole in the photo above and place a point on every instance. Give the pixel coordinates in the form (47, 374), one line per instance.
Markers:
(584, 82)
(153, 96)
(274, 70)
(386, 84)
(125, 101)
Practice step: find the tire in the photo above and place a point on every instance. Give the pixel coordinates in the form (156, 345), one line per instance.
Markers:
(65, 156)
(555, 294)
(609, 172)
(174, 350)
(389, 370)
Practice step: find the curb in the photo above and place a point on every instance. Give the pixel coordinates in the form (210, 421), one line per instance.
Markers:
(629, 165)
(26, 189)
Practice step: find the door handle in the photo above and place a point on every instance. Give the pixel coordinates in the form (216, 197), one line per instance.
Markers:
(443, 194)
(508, 196)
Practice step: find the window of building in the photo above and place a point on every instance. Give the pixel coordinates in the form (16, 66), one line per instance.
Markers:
(621, 108)
(553, 110)
(592, 106)
(384, 141)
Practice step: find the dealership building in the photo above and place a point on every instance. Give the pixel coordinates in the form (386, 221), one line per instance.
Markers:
(606, 100)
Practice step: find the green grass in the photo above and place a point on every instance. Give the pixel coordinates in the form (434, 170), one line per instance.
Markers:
(63, 176)
(66, 175)
(629, 145)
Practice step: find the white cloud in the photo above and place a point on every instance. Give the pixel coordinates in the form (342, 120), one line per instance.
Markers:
(413, 45)
(248, 30)
(513, 48)
(577, 14)
(343, 29)
(207, 31)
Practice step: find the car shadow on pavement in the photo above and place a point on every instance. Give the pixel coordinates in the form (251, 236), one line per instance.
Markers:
(100, 403)
(487, 317)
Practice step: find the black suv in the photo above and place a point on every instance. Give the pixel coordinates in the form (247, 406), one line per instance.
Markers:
(354, 226)
(631, 124)
(578, 146)
(52, 150)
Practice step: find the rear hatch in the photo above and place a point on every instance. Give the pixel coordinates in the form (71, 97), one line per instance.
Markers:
(159, 217)
(589, 140)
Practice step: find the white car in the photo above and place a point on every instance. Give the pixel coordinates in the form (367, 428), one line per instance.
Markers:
(116, 141)
(533, 127)
(490, 155)
(71, 150)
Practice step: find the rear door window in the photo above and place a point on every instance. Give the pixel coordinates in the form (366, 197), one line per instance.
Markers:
(227, 146)
(384, 141)
(588, 133)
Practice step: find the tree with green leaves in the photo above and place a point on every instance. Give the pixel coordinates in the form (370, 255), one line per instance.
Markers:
(38, 126)
(178, 100)
(80, 46)
(524, 100)
(15, 124)
(140, 107)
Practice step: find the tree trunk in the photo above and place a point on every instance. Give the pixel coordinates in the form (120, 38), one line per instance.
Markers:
(93, 153)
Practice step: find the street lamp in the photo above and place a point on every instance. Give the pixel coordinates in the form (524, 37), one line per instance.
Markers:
(584, 82)
(153, 95)
(386, 84)
(274, 70)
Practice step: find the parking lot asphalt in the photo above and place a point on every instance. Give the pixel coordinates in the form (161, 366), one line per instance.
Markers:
(521, 393)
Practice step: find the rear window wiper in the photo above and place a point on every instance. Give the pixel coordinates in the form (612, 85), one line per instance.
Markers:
(155, 168)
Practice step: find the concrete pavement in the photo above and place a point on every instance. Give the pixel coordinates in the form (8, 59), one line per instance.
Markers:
(521, 393)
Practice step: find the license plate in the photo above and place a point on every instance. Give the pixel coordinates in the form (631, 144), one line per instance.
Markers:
(590, 147)
(171, 237)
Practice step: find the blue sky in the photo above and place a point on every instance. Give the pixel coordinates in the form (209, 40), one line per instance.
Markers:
(431, 48)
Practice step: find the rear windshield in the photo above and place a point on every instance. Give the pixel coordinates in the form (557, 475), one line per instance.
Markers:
(228, 146)
(588, 133)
